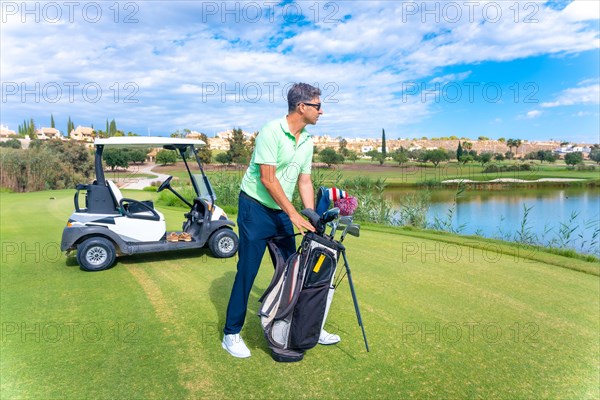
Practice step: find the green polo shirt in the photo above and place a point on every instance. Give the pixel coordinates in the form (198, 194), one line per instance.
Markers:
(275, 145)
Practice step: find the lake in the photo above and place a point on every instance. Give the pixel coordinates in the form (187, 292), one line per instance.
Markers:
(552, 213)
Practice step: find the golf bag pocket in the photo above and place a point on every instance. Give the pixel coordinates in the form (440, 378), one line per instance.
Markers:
(308, 315)
(320, 268)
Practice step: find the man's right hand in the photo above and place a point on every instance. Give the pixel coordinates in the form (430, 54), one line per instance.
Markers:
(300, 223)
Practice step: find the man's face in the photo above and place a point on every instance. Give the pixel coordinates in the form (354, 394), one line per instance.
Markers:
(310, 112)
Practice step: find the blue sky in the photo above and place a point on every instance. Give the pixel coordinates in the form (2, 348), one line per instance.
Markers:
(510, 69)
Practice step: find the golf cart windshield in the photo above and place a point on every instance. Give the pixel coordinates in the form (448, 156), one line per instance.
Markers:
(204, 191)
(200, 182)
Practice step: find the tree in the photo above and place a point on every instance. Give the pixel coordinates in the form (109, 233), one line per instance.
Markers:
(72, 154)
(343, 149)
(509, 155)
(400, 156)
(514, 143)
(518, 143)
(466, 145)
(329, 156)
(52, 125)
(205, 152)
(383, 149)
(116, 158)
(112, 130)
(459, 152)
(137, 155)
(542, 155)
(166, 157)
(31, 129)
(374, 154)
(510, 143)
(415, 154)
(484, 158)
(223, 158)
(239, 151)
(499, 157)
(467, 158)
(595, 155)
(352, 155)
(574, 158)
(70, 126)
(483, 138)
(435, 156)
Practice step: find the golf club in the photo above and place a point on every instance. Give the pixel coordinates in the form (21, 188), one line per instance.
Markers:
(345, 220)
(352, 229)
(330, 217)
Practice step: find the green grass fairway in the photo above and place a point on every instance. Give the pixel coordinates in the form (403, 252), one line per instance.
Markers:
(413, 174)
(446, 317)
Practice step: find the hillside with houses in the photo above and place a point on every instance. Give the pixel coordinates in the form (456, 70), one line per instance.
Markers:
(220, 141)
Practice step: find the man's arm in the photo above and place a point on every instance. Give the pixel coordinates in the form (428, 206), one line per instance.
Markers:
(271, 183)
(307, 193)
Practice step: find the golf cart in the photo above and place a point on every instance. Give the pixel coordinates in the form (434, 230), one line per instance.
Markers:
(110, 225)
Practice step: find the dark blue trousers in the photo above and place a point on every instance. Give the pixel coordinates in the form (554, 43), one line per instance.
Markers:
(256, 224)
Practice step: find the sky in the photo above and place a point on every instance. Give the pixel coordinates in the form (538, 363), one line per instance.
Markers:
(512, 69)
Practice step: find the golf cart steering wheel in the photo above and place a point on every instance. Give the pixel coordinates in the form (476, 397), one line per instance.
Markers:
(164, 185)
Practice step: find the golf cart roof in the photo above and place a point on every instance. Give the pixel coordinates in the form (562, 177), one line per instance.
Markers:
(147, 141)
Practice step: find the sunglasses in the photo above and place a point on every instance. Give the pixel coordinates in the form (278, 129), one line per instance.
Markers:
(315, 105)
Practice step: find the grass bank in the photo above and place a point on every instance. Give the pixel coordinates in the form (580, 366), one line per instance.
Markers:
(445, 318)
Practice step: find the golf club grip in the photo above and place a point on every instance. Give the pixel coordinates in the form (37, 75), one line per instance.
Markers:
(354, 299)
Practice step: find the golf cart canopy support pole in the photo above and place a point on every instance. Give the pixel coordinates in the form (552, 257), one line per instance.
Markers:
(98, 165)
(182, 154)
(204, 177)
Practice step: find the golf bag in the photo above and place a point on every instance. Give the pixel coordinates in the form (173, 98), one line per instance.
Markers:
(296, 302)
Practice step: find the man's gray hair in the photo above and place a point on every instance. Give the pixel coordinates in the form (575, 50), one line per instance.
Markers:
(301, 93)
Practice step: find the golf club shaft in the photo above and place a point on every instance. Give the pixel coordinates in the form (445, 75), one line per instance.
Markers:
(359, 318)
(344, 234)
(333, 230)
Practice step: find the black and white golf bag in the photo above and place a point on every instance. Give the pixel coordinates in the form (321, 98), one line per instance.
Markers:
(296, 303)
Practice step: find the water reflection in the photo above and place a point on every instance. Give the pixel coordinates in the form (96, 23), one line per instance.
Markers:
(500, 213)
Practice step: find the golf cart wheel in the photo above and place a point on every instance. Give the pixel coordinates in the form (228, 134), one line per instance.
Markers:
(223, 243)
(96, 254)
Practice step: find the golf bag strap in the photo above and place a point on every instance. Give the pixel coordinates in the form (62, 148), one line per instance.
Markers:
(281, 237)
(278, 263)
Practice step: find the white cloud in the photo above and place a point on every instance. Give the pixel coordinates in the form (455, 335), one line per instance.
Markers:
(195, 67)
(585, 114)
(589, 95)
(533, 114)
(582, 10)
(451, 77)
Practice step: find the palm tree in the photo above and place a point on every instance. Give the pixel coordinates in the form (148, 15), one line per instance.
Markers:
(517, 144)
(510, 143)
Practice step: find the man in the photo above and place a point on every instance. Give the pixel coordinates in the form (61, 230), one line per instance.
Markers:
(281, 160)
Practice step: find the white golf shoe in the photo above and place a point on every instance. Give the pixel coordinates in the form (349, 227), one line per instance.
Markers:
(327, 338)
(234, 344)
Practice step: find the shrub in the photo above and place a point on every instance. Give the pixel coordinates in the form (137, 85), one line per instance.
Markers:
(494, 168)
(583, 167)
(11, 143)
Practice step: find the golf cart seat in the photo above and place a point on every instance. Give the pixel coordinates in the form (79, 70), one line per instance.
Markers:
(132, 208)
(198, 212)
